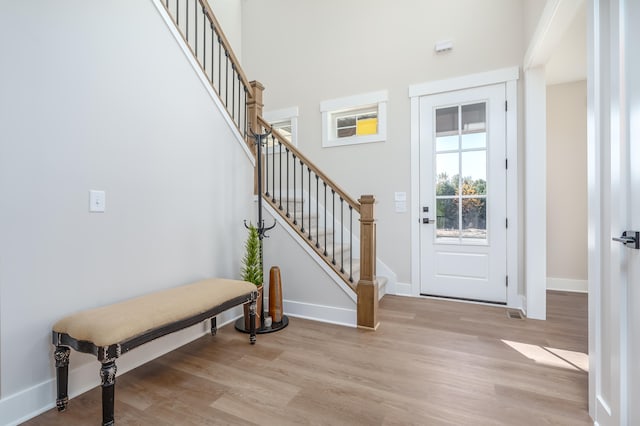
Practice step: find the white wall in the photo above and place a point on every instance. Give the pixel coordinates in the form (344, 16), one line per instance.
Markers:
(98, 95)
(568, 62)
(330, 49)
(229, 15)
(567, 184)
(532, 13)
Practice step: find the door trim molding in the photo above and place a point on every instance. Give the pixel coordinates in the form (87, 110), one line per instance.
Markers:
(487, 78)
(508, 77)
(534, 226)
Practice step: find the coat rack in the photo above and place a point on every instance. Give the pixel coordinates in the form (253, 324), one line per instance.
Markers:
(239, 324)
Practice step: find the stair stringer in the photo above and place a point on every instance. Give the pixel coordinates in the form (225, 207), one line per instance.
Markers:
(197, 68)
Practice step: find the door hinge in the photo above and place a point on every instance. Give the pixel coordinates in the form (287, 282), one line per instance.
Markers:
(506, 163)
(506, 108)
(506, 223)
(506, 281)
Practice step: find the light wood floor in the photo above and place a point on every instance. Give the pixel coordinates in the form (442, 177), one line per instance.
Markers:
(431, 362)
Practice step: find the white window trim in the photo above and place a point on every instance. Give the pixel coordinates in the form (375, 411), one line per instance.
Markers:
(332, 106)
(284, 114)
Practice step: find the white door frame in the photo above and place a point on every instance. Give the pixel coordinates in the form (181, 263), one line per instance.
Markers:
(509, 77)
(535, 189)
(556, 17)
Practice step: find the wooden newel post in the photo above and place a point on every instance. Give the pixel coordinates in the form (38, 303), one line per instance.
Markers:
(367, 288)
(254, 110)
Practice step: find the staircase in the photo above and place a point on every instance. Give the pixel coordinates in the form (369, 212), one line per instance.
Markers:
(323, 214)
(326, 239)
(338, 228)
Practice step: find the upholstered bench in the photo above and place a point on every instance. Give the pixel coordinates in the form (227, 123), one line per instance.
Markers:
(110, 331)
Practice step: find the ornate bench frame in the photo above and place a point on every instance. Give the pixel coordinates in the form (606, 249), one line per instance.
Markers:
(107, 355)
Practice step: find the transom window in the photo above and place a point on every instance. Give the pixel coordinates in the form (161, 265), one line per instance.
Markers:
(354, 120)
(357, 123)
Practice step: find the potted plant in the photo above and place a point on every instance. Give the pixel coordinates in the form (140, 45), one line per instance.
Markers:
(252, 272)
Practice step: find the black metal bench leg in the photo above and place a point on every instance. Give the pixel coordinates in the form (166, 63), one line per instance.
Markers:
(252, 321)
(214, 326)
(108, 376)
(62, 376)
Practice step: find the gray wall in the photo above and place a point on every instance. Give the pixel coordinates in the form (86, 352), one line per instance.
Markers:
(307, 52)
(532, 13)
(98, 95)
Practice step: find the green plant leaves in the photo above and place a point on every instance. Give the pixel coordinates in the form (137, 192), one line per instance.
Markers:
(251, 265)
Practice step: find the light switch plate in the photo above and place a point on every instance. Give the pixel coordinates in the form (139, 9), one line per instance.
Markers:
(97, 201)
(400, 196)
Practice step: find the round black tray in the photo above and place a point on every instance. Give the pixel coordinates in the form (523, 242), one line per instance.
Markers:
(275, 326)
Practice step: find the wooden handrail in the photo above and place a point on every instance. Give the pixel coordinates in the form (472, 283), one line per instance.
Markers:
(346, 197)
(223, 38)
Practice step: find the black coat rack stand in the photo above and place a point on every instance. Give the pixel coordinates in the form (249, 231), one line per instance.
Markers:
(260, 140)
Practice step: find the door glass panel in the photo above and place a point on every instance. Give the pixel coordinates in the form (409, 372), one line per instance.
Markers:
(474, 126)
(447, 121)
(474, 118)
(474, 140)
(447, 174)
(474, 172)
(461, 172)
(447, 215)
(474, 218)
(447, 143)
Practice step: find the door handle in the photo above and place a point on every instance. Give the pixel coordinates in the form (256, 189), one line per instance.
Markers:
(425, 209)
(630, 239)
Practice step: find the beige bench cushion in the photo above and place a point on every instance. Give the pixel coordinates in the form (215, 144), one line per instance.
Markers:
(121, 321)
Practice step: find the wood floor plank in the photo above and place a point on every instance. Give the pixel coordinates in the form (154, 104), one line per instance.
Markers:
(431, 362)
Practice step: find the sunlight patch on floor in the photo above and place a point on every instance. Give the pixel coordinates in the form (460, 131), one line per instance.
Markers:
(553, 357)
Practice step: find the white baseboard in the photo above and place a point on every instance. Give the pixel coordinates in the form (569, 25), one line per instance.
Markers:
(517, 302)
(566, 284)
(28, 403)
(383, 288)
(403, 289)
(321, 313)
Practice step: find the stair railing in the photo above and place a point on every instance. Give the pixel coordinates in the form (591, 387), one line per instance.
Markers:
(323, 214)
(202, 33)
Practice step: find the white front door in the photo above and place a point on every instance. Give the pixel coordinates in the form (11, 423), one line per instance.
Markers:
(463, 194)
(614, 208)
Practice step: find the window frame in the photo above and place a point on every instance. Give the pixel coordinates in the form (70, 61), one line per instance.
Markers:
(285, 114)
(336, 108)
